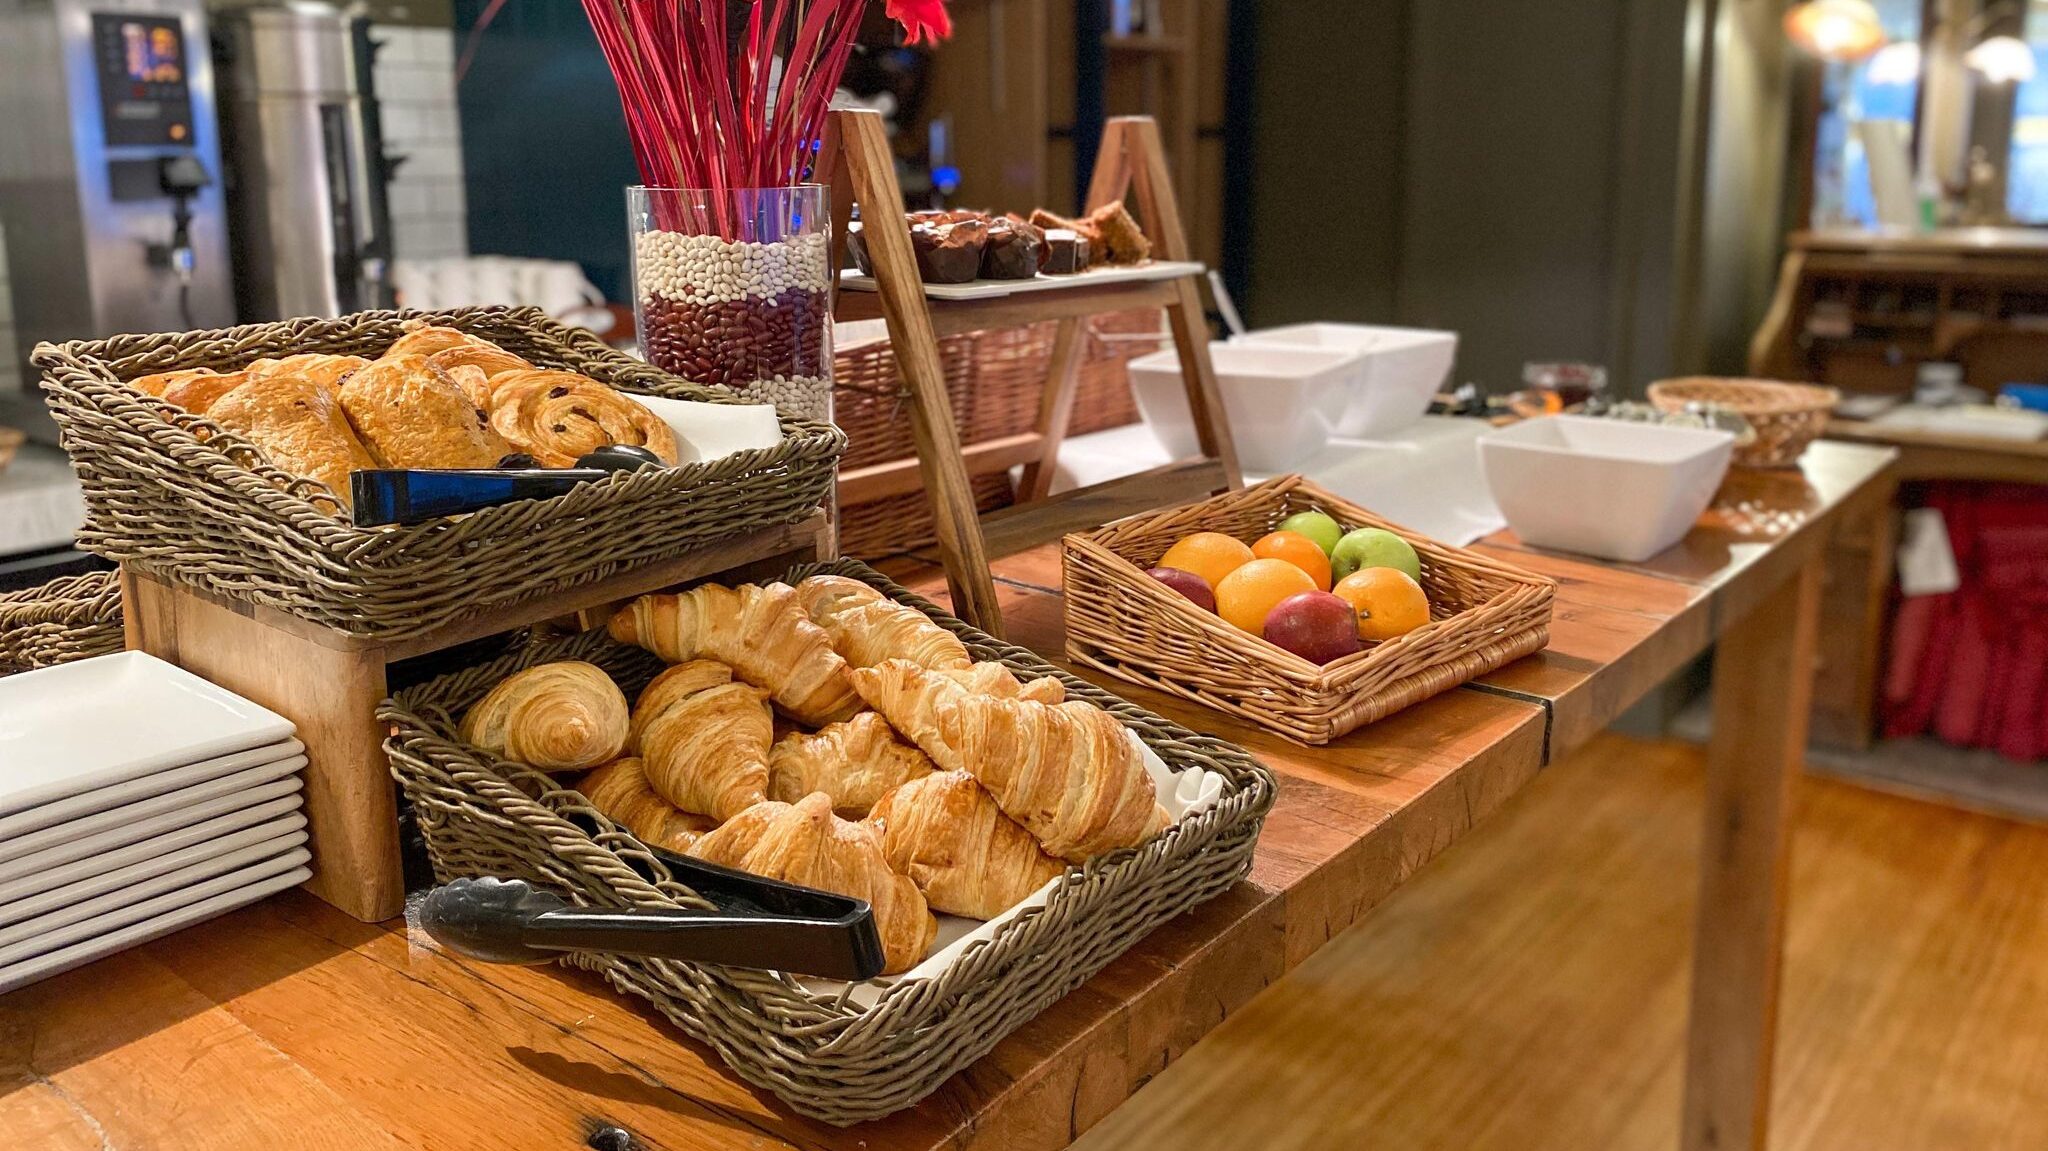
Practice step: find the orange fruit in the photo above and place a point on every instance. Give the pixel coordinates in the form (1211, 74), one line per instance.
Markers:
(1246, 596)
(1298, 550)
(1210, 555)
(1388, 603)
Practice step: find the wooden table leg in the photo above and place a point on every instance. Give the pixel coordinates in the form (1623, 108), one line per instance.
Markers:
(332, 695)
(1055, 409)
(1763, 687)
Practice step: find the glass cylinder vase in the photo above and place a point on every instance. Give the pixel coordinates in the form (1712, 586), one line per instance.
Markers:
(733, 287)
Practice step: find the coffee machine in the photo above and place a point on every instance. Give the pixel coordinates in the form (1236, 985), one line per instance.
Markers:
(112, 208)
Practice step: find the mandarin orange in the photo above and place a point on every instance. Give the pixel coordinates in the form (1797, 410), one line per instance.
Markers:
(1210, 555)
(1388, 603)
(1298, 550)
(1246, 596)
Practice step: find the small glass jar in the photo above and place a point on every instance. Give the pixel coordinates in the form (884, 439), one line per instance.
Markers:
(734, 288)
(1571, 384)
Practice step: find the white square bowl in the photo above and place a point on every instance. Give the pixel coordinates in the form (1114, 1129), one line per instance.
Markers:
(1607, 488)
(1395, 374)
(1282, 403)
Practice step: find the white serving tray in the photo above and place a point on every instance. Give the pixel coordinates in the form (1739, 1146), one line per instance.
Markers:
(157, 783)
(245, 846)
(58, 866)
(110, 906)
(852, 280)
(1182, 794)
(69, 729)
(148, 813)
(50, 963)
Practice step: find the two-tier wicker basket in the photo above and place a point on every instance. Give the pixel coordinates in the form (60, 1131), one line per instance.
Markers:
(1484, 613)
(826, 1056)
(174, 495)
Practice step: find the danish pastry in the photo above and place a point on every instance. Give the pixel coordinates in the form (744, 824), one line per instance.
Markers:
(411, 416)
(299, 428)
(556, 417)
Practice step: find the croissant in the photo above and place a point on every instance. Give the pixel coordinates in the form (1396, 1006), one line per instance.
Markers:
(704, 739)
(804, 843)
(563, 716)
(946, 833)
(557, 417)
(873, 632)
(823, 597)
(1070, 774)
(910, 697)
(620, 790)
(761, 632)
(424, 339)
(856, 763)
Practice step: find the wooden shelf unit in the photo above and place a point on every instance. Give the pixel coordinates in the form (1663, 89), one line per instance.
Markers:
(1131, 165)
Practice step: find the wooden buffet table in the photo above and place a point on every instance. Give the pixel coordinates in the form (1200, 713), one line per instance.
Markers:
(289, 1024)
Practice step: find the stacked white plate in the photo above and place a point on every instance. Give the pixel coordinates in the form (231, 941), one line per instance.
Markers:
(135, 799)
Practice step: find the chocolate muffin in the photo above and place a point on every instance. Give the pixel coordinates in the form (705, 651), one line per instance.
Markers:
(1011, 252)
(949, 253)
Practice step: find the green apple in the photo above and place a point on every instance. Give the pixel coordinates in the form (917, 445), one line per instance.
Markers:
(1373, 548)
(1316, 526)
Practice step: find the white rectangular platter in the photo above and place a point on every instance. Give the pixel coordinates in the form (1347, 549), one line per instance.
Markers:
(213, 797)
(143, 787)
(67, 730)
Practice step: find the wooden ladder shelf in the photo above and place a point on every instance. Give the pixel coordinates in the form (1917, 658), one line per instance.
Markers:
(1131, 166)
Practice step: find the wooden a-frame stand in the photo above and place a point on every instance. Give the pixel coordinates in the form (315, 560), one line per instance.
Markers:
(1131, 166)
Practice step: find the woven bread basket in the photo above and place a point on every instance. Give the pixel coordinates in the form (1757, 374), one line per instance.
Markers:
(173, 494)
(1484, 614)
(66, 619)
(1785, 417)
(827, 1057)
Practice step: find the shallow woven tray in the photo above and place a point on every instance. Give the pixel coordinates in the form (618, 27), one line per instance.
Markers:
(1484, 614)
(71, 618)
(828, 1058)
(173, 494)
(1786, 417)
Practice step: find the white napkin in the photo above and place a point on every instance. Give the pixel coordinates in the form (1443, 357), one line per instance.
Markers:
(705, 432)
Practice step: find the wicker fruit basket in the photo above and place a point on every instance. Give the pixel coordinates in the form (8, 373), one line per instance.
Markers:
(1483, 614)
(172, 493)
(1785, 417)
(67, 619)
(829, 1057)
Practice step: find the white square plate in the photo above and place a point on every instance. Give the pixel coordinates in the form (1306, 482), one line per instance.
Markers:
(142, 787)
(232, 850)
(68, 729)
(109, 907)
(70, 863)
(144, 812)
(65, 958)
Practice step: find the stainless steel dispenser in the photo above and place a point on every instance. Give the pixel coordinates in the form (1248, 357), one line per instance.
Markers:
(306, 172)
(111, 202)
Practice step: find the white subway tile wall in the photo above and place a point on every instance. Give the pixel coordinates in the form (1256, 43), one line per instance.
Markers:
(415, 74)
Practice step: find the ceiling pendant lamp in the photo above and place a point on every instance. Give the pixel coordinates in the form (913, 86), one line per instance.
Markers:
(1835, 29)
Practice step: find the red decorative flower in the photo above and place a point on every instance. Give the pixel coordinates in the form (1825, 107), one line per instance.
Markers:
(921, 19)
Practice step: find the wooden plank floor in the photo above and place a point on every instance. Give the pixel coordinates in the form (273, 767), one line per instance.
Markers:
(1528, 990)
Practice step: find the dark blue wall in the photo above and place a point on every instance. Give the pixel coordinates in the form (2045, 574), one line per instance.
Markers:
(544, 144)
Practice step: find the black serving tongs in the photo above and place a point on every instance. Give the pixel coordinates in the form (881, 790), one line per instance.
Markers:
(759, 923)
(410, 495)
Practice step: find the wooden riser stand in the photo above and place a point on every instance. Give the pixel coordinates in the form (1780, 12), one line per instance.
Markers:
(1131, 166)
(330, 683)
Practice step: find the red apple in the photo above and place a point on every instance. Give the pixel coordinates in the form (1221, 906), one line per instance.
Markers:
(1187, 583)
(1315, 625)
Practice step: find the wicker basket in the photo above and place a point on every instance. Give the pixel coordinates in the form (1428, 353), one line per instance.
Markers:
(827, 1057)
(1484, 614)
(1785, 417)
(175, 495)
(71, 618)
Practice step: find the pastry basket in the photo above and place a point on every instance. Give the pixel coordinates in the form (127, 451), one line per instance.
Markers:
(179, 498)
(840, 1058)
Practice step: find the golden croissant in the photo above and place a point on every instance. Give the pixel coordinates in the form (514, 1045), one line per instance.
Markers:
(946, 833)
(761, 632)
(1069, 773)
(620, 790)
(856, 763)
(704, 739)
(564, 716)
(804, 843)
(910, 696)
(824, 596)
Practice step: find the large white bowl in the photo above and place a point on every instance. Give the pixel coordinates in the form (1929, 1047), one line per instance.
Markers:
(1607, 488)
(1395, 372)
(1281, 402)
